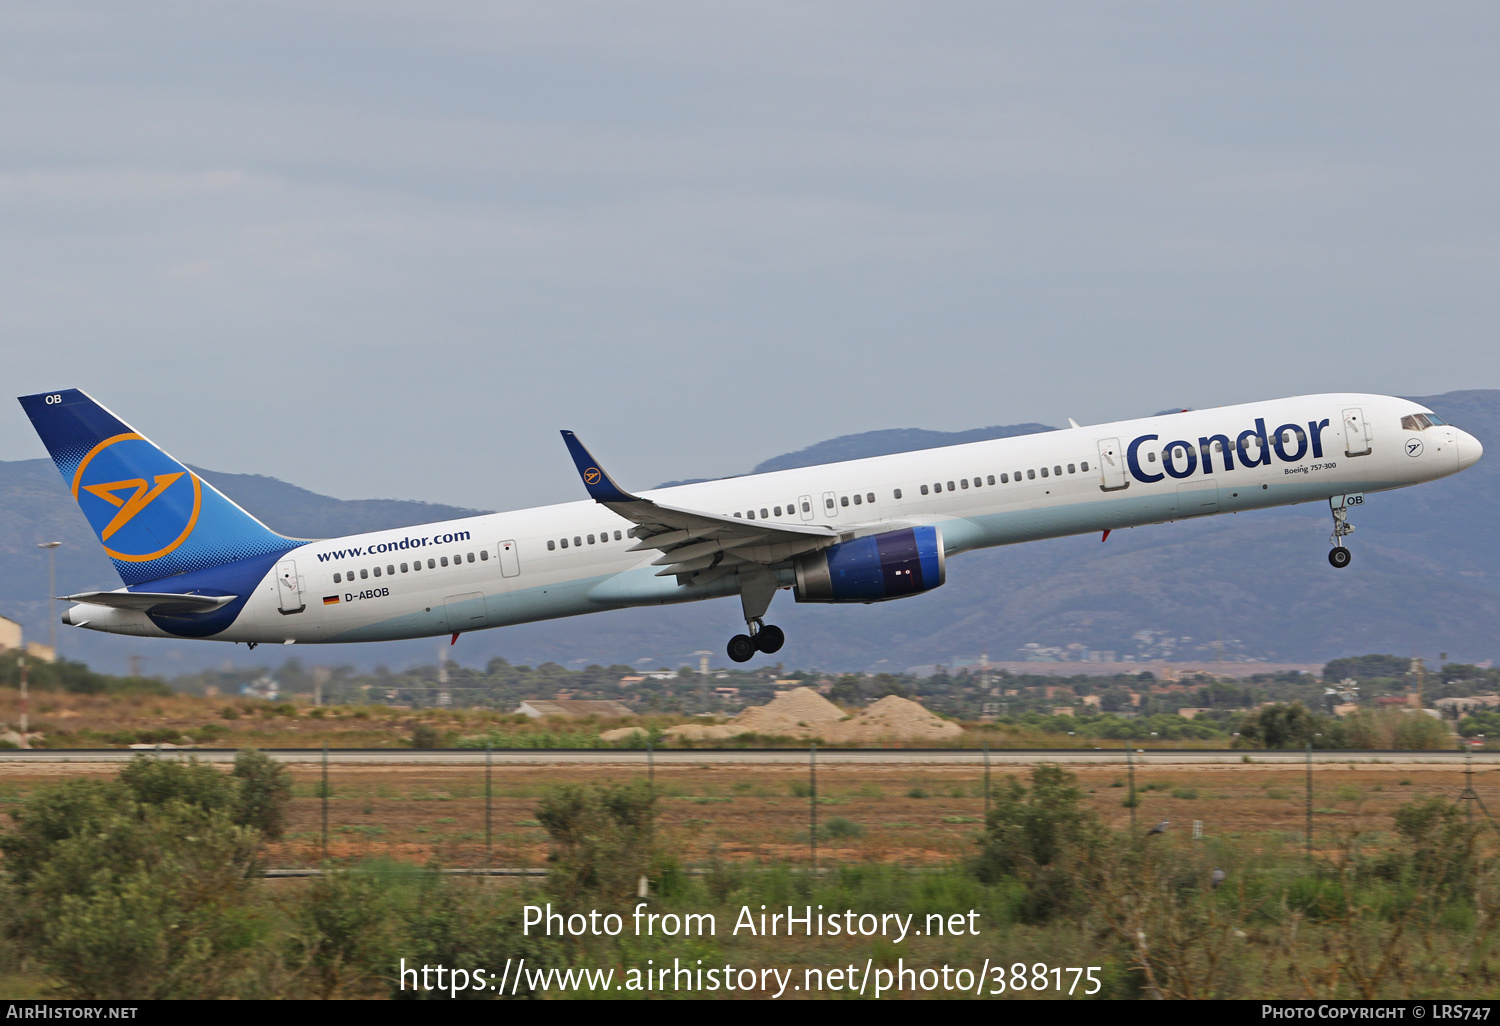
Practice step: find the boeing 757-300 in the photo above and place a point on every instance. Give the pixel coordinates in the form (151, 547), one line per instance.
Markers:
(195, 565)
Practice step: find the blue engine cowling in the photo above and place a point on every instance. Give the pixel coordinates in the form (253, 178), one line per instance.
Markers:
(874, 568)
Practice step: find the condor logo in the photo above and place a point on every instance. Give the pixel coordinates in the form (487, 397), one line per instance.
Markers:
(142, 503)
(591, 476)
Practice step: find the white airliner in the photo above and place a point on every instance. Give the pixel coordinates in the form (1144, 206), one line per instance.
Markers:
(195, 565)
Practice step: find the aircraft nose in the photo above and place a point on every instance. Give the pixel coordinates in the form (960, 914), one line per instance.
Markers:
(1469, 450)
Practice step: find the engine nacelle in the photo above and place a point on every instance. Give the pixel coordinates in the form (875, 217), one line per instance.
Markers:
(874, 568)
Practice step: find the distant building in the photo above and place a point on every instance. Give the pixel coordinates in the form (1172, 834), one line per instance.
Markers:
(265, 688)
(1457, 708)
(626, 682)
(573, 709)
(10, 640)
(1191, 714)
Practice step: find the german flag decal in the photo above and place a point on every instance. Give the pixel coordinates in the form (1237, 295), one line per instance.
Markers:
(330, 600)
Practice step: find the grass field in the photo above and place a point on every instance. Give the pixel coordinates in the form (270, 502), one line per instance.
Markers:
(905, 816)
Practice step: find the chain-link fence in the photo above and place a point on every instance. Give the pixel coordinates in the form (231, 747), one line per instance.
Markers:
(816, 807)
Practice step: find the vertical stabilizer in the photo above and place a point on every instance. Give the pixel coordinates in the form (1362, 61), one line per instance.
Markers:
(154, 516)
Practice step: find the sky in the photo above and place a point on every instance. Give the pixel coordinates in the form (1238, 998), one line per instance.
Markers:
(388, 250)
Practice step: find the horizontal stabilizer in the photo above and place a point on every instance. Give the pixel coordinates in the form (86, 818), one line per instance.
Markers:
(160, 602)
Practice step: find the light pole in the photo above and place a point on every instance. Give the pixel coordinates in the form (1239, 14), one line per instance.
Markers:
(51, 548)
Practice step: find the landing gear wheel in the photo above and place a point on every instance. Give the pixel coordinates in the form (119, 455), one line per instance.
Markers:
(741, 648)
(769, 639)
(1339, 557)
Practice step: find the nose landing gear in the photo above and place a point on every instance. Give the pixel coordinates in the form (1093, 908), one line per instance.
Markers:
(1339, 556)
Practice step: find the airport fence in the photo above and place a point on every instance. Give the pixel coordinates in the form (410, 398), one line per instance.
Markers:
(823, 808)
(483, 817)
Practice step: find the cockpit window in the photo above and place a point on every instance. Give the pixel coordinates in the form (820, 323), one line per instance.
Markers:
(1435, 420)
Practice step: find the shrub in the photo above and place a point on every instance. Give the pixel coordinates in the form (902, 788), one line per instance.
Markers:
(1045, 837)
(265, 788)
(124, 897)
(602, 839)
(425, 735)
(838, 828)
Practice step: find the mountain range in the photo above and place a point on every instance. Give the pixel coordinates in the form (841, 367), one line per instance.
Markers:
(1425, 580)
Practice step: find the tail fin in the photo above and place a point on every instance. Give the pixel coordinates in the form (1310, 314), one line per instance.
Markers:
(154, 516)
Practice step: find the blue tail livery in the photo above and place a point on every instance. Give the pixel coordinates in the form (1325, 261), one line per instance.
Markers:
(154, 516)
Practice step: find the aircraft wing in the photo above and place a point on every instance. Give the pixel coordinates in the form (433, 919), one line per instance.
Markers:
(696, 545)
(159, 602)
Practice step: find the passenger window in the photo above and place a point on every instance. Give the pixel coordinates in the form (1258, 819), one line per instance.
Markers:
(1057, 471)
(750, 515)
(965, 482)
(483, 554)
(1083, 467)
(869, 496)
(417, 565)
(858, 498)
(337, 578)
(924, 489)
(843, 500)
(1030, 475)
(364, 575)
(377, 571)
(432, 564)
(937, 486)
(950, 486)
(444, 561)
(807, 507)
(403, 568)
(551, 545)
(991, 479)
(1301, 436)
(828, 502)
(1005, 479)
(741, 516)
(391, 570)
(778, 511)
(617, 536)
(763, 513)
(1151, 456)
(577, 541)
(1044, 471)
(1071, 470)
(565, 543)
(896, 493)
(591, 539)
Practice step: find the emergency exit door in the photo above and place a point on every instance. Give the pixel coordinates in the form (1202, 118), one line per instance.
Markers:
(510, 563)
(1111, 465)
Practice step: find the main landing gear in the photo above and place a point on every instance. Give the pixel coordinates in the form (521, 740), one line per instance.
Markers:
(1339, 556)
(756, 593)
(766, 638)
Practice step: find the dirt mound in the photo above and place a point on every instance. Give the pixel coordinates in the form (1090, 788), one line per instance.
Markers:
(895, 719)
(803, 713)
(622, 733)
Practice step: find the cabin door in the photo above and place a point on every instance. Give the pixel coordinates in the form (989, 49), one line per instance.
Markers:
(289, 587)
(1356, 434)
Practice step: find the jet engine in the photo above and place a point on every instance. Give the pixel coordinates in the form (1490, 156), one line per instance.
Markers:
(873, 568)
